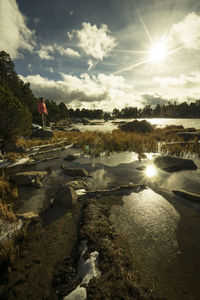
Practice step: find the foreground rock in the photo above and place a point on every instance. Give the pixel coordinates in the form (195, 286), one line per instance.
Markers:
(75, 172)
(71, 157)
(31, 178)
(77, 184)
(190, 196)
(137, 126)
(42, 134)
(174, 164)
(66, 197)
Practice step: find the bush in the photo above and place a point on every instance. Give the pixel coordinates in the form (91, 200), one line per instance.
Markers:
(15, 119)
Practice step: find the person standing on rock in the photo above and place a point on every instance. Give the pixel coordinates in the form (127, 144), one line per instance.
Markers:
(42, 109)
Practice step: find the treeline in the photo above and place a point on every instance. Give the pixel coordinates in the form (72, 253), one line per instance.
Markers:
(18, 106)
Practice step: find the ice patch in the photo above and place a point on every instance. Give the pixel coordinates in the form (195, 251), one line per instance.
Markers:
(21, 161)
(87, 269)
(78, 294)
(81, 192)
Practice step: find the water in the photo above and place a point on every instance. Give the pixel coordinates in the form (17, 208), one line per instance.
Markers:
(159, 122)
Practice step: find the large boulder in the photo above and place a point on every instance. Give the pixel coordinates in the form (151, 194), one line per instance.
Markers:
(42, 134)
(77, 184)
(173, 164)
(31, 178)
(137, 126)
(65, 197)
(187, 195)
(75, 172)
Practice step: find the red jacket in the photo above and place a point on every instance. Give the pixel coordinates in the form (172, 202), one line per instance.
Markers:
(42, 109)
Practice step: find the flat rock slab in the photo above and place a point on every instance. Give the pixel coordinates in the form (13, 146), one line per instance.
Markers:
(174, 164)
(75, 172)
(187, 195)
(31, 178)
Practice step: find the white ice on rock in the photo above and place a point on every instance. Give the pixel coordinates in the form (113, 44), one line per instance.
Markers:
(78, 294)
(8, 229)
(87, 269)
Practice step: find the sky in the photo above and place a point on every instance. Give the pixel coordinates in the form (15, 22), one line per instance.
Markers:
(105, 53)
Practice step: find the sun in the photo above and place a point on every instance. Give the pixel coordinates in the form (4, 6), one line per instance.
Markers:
(158, 52)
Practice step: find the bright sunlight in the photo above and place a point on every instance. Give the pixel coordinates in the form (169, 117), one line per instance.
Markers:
(158, 52)
(150, 171)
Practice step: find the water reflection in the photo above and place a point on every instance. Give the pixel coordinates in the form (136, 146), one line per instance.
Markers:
(150, 171)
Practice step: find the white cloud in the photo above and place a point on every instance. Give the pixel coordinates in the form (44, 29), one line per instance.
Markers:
(94, 41)
(46, 51)
(101, 91)
(91, 64)
(14, 33)
(67, 52)
(187, 32)
(182, 86)
(71, 13)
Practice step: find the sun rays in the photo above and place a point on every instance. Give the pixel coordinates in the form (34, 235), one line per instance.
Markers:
(158, 51)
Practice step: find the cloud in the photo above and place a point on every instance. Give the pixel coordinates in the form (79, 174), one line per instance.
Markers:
(46, 51)
(148, 99)
(187, 32)
(102, 91)
(67, 52)
(94, 41)
(37, 21)
(14, 33)
(182, 86)
(91, 64)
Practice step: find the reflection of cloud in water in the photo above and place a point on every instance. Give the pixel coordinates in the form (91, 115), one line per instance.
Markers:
(100, 179)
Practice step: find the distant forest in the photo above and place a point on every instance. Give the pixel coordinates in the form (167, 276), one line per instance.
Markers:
(21, 96)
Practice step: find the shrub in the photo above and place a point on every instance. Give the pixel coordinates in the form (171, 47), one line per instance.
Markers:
(15, 119)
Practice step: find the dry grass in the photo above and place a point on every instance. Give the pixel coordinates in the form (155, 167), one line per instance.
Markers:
(96, 142)
(9, 250)
(8, 191)
(6, 212)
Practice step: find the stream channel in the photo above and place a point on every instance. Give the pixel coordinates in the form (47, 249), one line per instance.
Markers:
(162, 230)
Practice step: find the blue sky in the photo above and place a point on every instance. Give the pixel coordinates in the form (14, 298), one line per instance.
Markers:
(105, 54)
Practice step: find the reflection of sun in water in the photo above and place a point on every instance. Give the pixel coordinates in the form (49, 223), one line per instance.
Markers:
(150, 171)
(158, 52)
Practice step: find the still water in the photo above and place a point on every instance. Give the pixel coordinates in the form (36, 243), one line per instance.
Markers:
(159, 122)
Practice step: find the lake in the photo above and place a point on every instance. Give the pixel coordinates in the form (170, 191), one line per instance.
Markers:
(159, 122)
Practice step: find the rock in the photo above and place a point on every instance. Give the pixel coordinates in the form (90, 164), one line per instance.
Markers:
(42, 134)
(65, 197)
(70, 157)
(12, 148)
(190, 196)
(64, 166)
(174, 164)
(85, 121)
(76, 184)
(28, 216)
(75, 172)
(189, 135)
(137, 126)
(31, 178)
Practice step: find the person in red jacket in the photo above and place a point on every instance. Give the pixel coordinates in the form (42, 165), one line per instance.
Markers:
(42, 109)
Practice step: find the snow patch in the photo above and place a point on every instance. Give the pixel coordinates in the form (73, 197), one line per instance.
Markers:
(78, 294)
(87, 269)
(81, 192)
(21, 161)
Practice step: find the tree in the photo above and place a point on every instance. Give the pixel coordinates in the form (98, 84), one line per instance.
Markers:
(15, 119)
